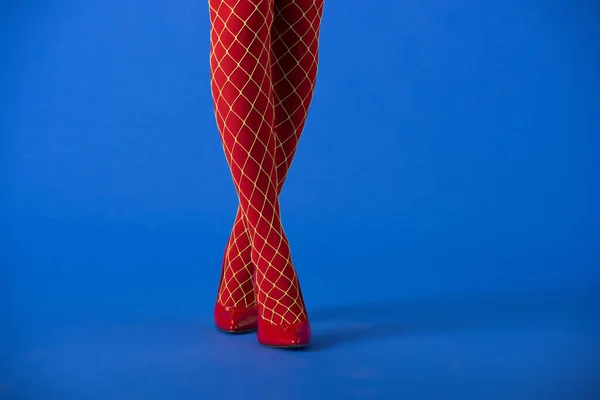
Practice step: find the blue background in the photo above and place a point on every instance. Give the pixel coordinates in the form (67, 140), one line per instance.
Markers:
(442, 206)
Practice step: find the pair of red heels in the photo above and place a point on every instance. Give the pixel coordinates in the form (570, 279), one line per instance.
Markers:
(243, 320)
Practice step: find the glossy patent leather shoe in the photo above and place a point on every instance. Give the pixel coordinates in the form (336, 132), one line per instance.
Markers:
(235, 319)
(284, 336)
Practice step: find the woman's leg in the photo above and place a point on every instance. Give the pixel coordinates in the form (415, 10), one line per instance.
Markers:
(242, 93)
(295, 57)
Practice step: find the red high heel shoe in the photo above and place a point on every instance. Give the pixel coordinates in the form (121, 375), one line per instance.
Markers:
(240, 318)
(235, 319)
(284, 336)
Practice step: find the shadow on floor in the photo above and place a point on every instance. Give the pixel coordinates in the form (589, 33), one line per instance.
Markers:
(368, 321)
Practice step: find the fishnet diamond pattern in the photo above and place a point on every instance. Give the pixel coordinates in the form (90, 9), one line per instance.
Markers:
(295, 45)
(294, 61)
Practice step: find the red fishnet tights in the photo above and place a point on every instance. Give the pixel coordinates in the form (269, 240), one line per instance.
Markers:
(264, 56)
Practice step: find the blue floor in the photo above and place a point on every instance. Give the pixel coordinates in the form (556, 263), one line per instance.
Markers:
(442, 207)
(142, 327)
(410, 349)
(187, 360)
